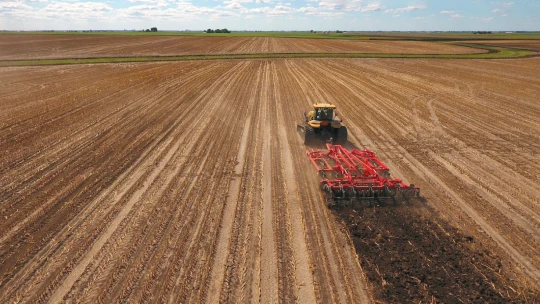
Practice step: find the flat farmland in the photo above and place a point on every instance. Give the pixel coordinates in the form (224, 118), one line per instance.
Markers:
(533, 45)
(187, 182)
(17, 47)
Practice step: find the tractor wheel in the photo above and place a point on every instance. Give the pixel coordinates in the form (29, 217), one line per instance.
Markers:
(309, 135)
(341, 136)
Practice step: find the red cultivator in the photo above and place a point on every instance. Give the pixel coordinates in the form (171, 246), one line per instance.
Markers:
(356, 175)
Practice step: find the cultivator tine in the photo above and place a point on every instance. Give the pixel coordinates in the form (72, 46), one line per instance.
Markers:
(356, 175)
(352, 194)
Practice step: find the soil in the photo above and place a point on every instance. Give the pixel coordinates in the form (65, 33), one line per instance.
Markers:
(532, 45)
(14, 47)
(187, 182)
(411, 255)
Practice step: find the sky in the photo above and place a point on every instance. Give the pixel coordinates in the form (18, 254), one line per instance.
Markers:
(271, 15)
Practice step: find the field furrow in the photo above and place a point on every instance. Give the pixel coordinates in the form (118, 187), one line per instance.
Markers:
(187, 182)
(85, 46)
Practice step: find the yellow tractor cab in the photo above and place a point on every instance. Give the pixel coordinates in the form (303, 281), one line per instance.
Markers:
(323, 124)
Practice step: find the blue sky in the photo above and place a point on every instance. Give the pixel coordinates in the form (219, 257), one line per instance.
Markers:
(319, 15)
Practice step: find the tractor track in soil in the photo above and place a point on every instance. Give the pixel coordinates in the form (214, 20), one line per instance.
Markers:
(187, 182)
(505, 232)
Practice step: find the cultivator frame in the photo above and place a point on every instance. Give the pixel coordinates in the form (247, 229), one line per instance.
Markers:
(356, 175)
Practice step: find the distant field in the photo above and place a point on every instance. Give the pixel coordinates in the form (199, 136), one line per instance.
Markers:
(450, 36)
(445, 36)
(17, 47)
(51, 48)
(533, 45)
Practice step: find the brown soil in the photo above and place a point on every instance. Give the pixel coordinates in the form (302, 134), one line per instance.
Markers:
(533, 45)
(411, 255)
(187, 182)
(14, 47)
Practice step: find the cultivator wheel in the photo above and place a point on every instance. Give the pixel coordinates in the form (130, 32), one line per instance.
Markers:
(356, 175)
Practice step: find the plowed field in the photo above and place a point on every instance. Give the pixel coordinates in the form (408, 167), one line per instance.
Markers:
(533, 45)
(186, 182)
(85, 46)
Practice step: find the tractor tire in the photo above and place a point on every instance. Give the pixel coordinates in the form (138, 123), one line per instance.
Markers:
(342, 135)
(309, 135)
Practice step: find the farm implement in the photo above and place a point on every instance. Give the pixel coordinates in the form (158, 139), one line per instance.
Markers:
(356, 175)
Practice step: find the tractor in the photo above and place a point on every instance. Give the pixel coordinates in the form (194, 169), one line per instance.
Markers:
(323, 124)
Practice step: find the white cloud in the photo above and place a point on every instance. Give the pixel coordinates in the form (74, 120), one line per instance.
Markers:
(503, 9)
(237, 1)
(453, 14)
(320, 12)
(80, 7)
(371, 7)
(222, 14)
(330, 15)
(308, 10)
(336, 4)
(72, 13)
(270, 12)
(184, 10)
(241, 14)
(405, 9)
(234, 5)
(12, 5)
(348, 5)
(335, 9)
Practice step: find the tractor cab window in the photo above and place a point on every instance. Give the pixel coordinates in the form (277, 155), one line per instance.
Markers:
(324, 114)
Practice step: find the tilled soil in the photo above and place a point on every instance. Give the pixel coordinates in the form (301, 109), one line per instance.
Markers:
(533, 45)
(160, 182)
(187, 182)
(13, 47)
(410, 255)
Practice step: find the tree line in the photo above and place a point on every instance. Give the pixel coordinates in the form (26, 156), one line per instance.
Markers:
(217, 31)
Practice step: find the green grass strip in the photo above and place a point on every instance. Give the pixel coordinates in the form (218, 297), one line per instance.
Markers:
(493, 52)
